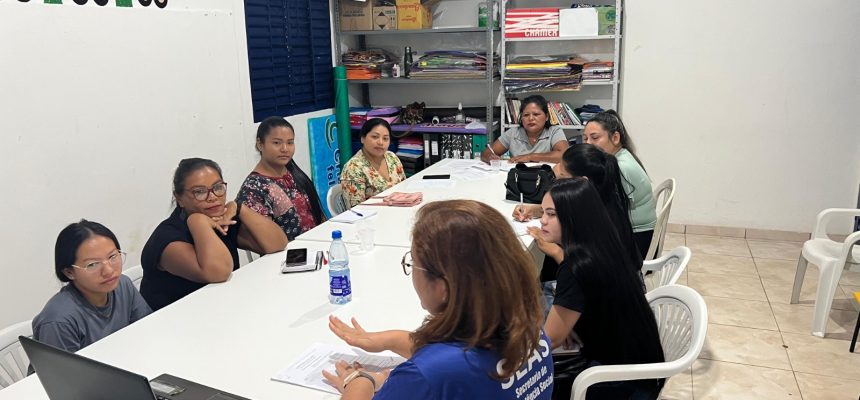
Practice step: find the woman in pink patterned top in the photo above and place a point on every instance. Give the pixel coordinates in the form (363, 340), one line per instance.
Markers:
(374, 168)
(278, 188)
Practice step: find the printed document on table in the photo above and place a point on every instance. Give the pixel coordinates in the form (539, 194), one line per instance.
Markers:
(307, 370)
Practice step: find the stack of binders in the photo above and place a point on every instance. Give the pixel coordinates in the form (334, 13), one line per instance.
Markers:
(410, 151)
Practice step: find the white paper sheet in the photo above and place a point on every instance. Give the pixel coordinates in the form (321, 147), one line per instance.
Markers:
(460, 164)
(307, 370)
(352, 215)
(471, 174)
(431, 184)
(522, 228)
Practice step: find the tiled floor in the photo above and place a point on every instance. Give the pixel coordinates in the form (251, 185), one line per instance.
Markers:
(759, 346)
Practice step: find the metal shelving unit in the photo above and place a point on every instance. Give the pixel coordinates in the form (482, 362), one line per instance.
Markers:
(569, 45)
(488, 81)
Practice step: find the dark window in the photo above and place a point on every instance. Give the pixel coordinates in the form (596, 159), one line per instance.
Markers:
(289, 56)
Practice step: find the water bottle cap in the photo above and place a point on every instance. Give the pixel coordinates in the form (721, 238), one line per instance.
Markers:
(336, 235)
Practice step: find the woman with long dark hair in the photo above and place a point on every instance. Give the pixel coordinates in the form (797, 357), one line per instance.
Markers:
(599, 294)
(482, 337)
(601, 168)
(606, 131)
(277, 188)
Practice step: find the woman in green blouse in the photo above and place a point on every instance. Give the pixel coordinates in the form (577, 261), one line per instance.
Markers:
(374, 168)
(607, 132)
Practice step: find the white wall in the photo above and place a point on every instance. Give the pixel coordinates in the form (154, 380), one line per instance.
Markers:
(750, 105)
(99, 104)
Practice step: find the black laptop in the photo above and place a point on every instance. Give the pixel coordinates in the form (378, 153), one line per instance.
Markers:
(68, 376)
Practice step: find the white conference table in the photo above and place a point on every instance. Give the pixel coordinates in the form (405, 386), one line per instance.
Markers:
(393, 225)
(236, 335)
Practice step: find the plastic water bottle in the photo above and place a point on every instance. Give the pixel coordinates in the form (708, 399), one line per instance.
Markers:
(339, 280)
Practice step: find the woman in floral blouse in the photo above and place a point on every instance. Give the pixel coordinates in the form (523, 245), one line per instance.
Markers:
(374, 168)
(278, 188)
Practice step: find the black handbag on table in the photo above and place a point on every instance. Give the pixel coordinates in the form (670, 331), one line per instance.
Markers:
(531, 182)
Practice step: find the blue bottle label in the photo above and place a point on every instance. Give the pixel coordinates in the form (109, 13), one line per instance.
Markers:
(340, 286)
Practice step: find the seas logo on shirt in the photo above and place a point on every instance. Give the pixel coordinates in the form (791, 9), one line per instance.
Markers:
(530, 383)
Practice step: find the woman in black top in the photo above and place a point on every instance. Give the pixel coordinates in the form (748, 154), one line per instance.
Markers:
(197, 244)
(601, 168)
(599, 296)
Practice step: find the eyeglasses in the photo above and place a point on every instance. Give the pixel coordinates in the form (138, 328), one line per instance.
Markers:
(408, 266)
(201, 193)
(115, 260)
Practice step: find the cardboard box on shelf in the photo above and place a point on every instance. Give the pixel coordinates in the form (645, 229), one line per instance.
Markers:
(384, 18)
(356, 15)
(531, 22)
(415, 14)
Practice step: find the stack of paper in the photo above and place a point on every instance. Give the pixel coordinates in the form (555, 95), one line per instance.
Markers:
(452, 64)
(598, 71)
(543, 73)
(368, 64)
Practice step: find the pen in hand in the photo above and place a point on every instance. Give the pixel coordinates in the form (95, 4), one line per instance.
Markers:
(493, 152)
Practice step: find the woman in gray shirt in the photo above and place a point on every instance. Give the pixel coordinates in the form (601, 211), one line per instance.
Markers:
(535, 140)
(98, 299)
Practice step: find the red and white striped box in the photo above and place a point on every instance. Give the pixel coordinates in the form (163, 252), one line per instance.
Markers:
(531, 22)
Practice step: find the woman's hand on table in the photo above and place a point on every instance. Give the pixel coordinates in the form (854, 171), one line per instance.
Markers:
(343, 370)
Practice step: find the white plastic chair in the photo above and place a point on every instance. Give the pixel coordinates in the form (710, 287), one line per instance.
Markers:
(13, 360)
(135, 274)
(682, 321)
(667, 190)
(667, 269)
(335, 201)
(832, 258)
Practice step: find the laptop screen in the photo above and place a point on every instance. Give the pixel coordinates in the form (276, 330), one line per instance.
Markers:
(68, 376)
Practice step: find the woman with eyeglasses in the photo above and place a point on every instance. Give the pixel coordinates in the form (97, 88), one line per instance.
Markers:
(278, 188)
(535, 140)
(197, 244)
(482, 338)
(97, 299)
(599, 295)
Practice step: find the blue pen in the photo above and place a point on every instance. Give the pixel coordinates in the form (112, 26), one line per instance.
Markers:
(356, 213)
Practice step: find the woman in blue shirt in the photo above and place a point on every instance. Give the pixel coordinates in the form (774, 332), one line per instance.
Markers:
(482, 339)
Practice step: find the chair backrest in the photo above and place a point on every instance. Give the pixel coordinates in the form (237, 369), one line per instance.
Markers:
(335, 201)
(13, 360)
(251, 256)
(135, 274)
(666, 191)
(667, 269)
(682, 322)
